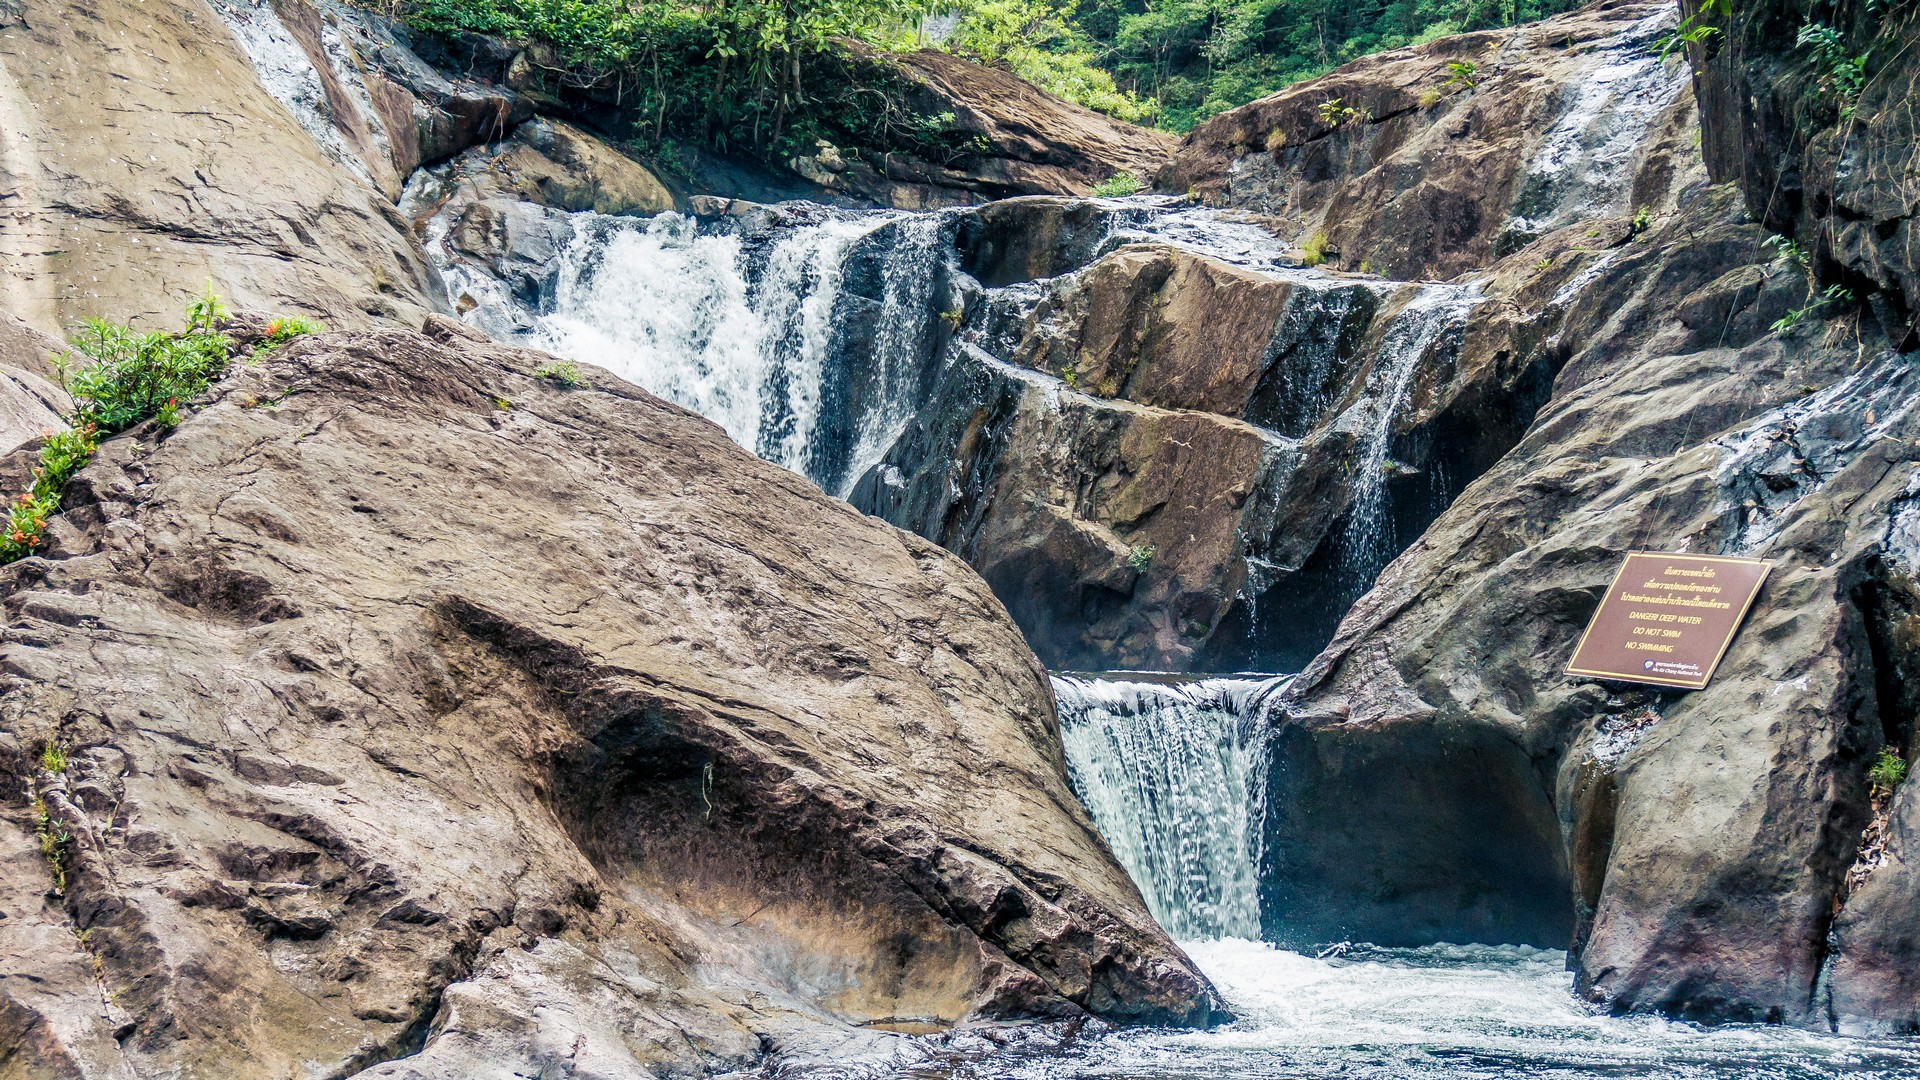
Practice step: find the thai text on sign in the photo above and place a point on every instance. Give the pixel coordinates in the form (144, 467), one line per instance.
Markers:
(1667, 619)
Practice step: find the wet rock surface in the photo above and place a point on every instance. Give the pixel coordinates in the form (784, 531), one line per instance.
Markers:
(1709, 837)
(418, 718)
(1434, 160)
(141, 174)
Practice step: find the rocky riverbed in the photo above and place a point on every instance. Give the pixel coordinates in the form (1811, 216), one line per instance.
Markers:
(404, 712)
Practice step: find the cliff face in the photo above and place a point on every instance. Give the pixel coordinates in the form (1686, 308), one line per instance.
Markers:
(1725, 854)
(418, 710)
(1437, 160)
(1223, 447)
(145, 159)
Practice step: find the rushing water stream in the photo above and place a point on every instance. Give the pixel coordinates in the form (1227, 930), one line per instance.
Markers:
(1173, 773)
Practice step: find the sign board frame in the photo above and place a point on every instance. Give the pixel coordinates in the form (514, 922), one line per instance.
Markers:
(1622, 629)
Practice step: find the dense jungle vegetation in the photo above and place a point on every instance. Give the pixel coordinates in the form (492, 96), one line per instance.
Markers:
(764, 76)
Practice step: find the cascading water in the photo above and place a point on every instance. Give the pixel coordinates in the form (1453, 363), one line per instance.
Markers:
(739, 336)
(1586, 160)
(1173, 774)
(1433, 319)
(905, 317)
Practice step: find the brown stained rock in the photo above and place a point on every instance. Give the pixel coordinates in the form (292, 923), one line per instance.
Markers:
(415, 704)
(1023, 141)
(1426, 178)
(1707, 834)
(1161, 327)
(146, 160)
(551, 164)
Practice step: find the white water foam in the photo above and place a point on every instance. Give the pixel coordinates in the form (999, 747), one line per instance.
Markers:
(663, 305)
(1174, 775)
(1444, 1012)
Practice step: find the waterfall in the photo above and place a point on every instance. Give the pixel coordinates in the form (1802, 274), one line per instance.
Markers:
(1588, 158)
(1174, 775)
(906, 315)
(1432, 320)
(699, 317)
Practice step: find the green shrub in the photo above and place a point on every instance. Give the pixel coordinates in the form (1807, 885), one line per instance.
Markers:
(1335, 114)
(1141, 556)
(1888, 769)
(1315, 250)
(1837, 72)
(1119, 184)
(118, 378)
(564, 372)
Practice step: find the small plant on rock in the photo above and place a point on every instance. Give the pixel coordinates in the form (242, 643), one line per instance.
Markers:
(1696, 28)
(1462, 73)
(119, 378)
(1787, 250)
(561, 372)
(1141, 556)
(1838, 73)
(281, 331)
(1888, 769)
(1118, 185)
(1335, 114)
(1316, 249)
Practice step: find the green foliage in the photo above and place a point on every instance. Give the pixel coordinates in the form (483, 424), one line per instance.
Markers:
(1034, 39)
(1335, 114)
(61, 455)
(1141, 556)
(563, 372)
(52, 758)
(54, 838)
(1837, 72)
(281, 331)
(1120, 183)
(1888, 769)
(118, 378)
(1314, 252)
(741, 75)
(1834, 295)
(1642, 221)
(1462, 73)
(764, 76)
(1195, 58)
(1787, 250)
(1693, 30)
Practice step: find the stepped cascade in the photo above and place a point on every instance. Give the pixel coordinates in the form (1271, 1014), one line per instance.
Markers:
(669, 542)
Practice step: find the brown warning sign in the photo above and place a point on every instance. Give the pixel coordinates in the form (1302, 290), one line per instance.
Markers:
(1668, 619)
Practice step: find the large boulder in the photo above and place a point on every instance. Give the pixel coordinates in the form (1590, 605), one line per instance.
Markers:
(404, 713)
(1002, 136)
(1695, 847)
(1433, 160)
(146, 160)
